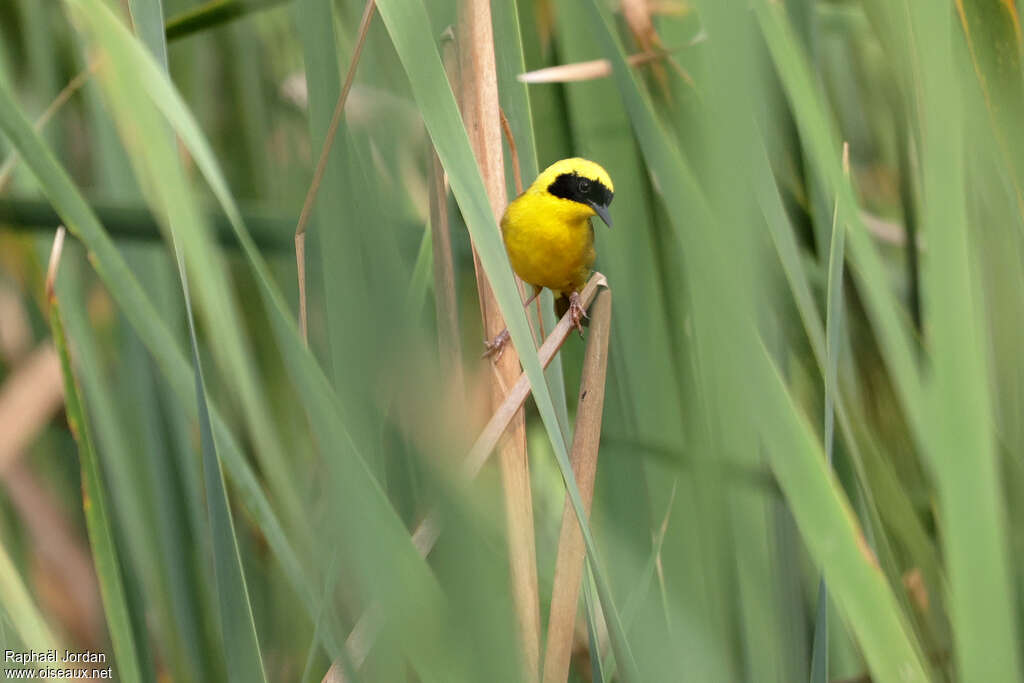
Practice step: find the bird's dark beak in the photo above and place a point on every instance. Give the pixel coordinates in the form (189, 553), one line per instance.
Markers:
(603, 212)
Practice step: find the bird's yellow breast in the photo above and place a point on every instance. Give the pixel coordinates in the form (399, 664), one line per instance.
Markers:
(549, 240)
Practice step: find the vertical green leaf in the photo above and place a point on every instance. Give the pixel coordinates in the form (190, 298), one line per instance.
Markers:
(95, 502)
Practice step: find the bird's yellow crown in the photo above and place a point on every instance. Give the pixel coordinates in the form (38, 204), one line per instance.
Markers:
(581, 167)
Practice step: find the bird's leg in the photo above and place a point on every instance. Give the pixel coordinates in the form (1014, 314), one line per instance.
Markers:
(576, 312)
(496, 346)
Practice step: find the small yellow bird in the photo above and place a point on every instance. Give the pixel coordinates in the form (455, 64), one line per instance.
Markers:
(548, 235)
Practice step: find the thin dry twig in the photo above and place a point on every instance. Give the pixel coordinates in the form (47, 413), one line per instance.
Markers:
(321, 165)
(599, 68)
(586, 439)
(513, 151)
(361, 639)
(73, 86)
(51, 267)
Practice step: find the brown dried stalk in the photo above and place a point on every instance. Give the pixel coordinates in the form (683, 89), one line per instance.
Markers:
(321, 165)
(586, 438)
(361, 639)
(478, 83)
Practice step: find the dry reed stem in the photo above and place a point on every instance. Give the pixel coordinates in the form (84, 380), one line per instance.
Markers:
(361, 639)
(586, 439)
(321, 165)
(481, 112)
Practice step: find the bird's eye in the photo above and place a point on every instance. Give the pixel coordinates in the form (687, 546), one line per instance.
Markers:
(584, 185)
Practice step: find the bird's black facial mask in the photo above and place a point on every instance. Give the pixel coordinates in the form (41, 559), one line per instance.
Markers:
(587, 191)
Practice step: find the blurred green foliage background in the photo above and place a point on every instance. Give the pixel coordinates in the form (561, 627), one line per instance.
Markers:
(811, 453)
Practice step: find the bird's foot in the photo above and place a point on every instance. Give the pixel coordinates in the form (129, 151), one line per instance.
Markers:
(576, 312)
(496, 346)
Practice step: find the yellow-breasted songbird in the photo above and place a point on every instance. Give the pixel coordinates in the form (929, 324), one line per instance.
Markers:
(548, 235)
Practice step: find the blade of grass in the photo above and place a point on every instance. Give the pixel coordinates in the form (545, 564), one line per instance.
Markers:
(94, 496)
(238, 629)
(822, 513)
(128, 465)
(244, 661)
(959, 405)
(993, 33)
(163, 181)
(891, 329)
(158, 339)
(833, 322)
(946, 191)
(894, 499)
(591, 610)
(830, 529)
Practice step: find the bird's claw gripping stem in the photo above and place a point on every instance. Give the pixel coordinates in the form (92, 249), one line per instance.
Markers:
(496, 346)
(576, 312)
